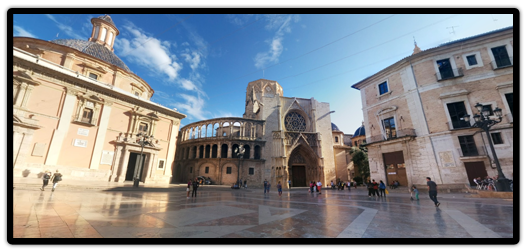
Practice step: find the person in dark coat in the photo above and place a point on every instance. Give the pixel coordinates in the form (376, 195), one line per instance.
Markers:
(195, 185)
(45, 179)
(57, 176)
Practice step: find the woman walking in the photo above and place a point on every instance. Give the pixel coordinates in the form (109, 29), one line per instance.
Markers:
(370, 188)
(188, 189)
(57, 176)
(279, 188)
(45, 179)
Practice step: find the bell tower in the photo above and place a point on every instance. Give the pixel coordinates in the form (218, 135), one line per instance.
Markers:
(104, 31)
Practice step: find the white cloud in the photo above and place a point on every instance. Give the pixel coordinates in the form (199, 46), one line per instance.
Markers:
(193, 106)
(185, 44)
(149, 52)
(193, 59)
(272, 55)
(283, 25)
(239, 19)
(66, 29)
(19, 31)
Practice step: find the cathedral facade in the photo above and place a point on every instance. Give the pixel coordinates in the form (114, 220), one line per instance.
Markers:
(278, 139)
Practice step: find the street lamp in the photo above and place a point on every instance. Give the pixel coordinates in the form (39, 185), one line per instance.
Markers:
(239, 153)
(142, 139)
(483, 121)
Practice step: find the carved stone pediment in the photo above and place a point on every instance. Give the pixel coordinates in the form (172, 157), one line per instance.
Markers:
(24, 76)
(93, 67)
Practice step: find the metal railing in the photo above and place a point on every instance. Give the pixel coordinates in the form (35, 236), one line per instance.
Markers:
(398, 134)
(502, 62)
(449, 74)
(472, 151)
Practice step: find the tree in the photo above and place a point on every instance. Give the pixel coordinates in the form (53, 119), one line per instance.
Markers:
(361, 162)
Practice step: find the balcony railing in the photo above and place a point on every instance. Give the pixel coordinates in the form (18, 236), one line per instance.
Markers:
(398, 134)
(502, 62)
(449, 74)
(472, 151)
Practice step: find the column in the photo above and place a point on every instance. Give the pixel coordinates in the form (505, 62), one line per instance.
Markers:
(101, 136)
(124, 166)
(63, 126)
(197, 151)
(252, 149)
(117, 163)
(171, 149)
(229, 154)
(219, 150)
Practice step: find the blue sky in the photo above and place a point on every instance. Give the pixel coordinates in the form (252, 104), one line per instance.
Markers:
(201, 64)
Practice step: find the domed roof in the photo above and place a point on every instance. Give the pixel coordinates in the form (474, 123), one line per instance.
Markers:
(108, 19)
(93, 49)
(334, 127)
(359, 131)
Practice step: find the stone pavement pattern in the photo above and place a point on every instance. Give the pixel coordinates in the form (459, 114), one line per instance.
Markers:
(219, 212)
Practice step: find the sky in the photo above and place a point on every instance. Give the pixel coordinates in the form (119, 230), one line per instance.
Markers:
(201, 64)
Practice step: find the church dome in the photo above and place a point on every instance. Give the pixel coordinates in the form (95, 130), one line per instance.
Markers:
(334, 127)
(93, 49)
(359, 131)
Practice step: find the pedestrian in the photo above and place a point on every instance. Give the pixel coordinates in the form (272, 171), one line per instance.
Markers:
(45, 179)
(279, 188)
(415, 190)
(355, 184)
(290, 185)
(370, 188)
(381, 186)
(268, 187)
(375, 188)
(265, 183)
(311, 187)
(349, 185)
(332, 184)
(432, 189)
(188, 188)
(195, 185)
(318, 185)
(57, 176)
(343, 185)
(245, 184)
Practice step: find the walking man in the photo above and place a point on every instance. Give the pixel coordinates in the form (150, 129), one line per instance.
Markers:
(279, 188)
(265, 183)
(57, 176)
(432, 188)
(195, 185)
(45, 179)
(290, 184)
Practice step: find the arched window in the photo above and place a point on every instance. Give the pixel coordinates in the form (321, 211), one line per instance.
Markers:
(201, 151)
(246, 155)
(224, 151)
(336, 139)
(234, 147)
(295, 122)
(214, 151)
(257, 152)
(207, 151)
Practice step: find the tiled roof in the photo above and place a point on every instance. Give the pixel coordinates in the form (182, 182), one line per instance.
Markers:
(93, 49)
(108, 19)
(334, 127)
(359, 131)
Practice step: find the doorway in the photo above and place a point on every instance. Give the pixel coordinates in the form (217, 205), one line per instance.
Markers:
(132, 163)
(474, 170)
(395, 168)
(299, 178)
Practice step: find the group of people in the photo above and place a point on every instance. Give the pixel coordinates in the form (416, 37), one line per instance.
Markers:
(266, 186)
(195, 185)
(376, 188)
(55, 178)
(485, 182)
(342, 184)
(315, 187)
(395, 184)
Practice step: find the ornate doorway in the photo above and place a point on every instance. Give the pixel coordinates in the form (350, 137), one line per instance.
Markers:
(299, 177)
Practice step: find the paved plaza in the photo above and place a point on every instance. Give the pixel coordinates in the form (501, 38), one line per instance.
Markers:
(121, 211)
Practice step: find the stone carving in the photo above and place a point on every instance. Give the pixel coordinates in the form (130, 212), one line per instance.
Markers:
(295, 122)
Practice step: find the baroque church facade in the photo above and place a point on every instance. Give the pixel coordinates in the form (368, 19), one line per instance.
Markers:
(78, 108)
(278, 139)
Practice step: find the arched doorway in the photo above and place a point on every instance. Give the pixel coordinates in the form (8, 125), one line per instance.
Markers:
(302, 166)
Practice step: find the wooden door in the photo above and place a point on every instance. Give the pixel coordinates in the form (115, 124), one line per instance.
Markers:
(474, 170)
(395, 168)
(299, 178)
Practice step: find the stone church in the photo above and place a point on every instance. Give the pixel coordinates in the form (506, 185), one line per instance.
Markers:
(278, 139)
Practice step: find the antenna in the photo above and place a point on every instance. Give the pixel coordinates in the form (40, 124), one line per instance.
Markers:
(452, 28)
(414, 40)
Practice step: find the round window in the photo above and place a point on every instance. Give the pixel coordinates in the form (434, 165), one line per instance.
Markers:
(295, 122)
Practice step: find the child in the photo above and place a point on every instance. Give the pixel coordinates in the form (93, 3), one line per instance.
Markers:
(279, 188)
(415, 190)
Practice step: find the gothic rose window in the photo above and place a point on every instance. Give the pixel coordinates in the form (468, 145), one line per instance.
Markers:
(295, 122)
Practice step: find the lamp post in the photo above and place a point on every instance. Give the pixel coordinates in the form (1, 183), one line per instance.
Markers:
(142, 139)
(239, 152)
(483, 121)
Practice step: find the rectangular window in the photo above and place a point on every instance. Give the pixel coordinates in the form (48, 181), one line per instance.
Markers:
(509, 99)
(251, 171)
(161, 164)
(457, 110)
(487, 107)
(445, 69)
(501, 56)
(472, 60)
(335, 139)
(497, 138)
(86, 115)
(383, 88)
(143, 127)
(389, 127)
(228, 170)
(467, 145)
(91, 75)
(191, 168)
(206, 170)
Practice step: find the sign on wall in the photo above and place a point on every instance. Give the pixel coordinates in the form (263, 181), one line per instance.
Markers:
(446, 158)
(106, 158)
(80, 143)
(83, 131)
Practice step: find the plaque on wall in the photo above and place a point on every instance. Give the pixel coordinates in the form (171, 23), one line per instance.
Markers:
(106, 158)
(39, 149)
(80, 143)
(83, 131)
(446, 158)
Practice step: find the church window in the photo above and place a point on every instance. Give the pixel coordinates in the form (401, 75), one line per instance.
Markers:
(93, 76)
(143, 127)
(295, 122)
(228, 170)
(86, 115)
(336, 139)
